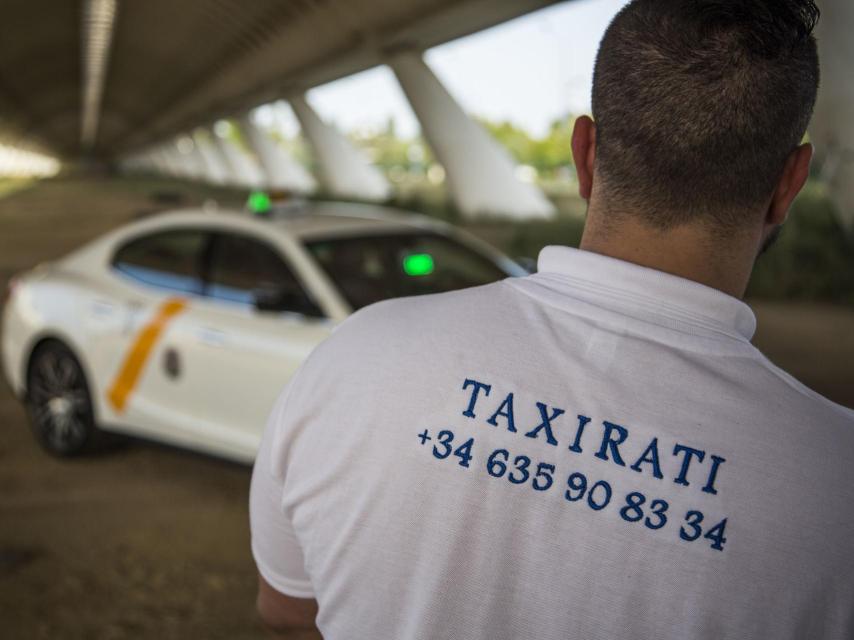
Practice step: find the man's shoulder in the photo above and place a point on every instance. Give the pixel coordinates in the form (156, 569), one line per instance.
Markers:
(396, 330)
(461, 308)
(801, 401)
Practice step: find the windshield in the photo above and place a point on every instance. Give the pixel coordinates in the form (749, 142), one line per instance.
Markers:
(370, 269)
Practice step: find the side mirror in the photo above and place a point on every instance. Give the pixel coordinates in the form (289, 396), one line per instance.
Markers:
(276, 299)
(527, 263)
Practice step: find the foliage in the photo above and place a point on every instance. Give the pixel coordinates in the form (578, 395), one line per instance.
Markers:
(525, 239)
(390, 152)
(550, 155)
(297, 147)
(813, 258)
(9, 186)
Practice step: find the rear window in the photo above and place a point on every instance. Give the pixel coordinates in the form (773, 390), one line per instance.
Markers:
(370, 269)
(168, 259)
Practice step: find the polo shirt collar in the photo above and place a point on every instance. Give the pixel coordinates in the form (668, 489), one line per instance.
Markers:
(642, 289)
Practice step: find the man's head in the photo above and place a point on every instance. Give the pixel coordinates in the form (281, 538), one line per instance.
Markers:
(700, 106)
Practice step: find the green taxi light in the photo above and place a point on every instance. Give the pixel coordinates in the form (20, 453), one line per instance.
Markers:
(259, 202)
(418, 264)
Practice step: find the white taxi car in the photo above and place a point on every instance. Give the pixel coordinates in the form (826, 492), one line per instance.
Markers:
(185, 326)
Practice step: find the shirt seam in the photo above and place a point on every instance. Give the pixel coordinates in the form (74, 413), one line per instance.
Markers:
(650, 304)
(802, 389)
(749, 351)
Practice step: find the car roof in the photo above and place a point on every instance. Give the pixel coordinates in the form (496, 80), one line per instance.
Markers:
(328, 219)
(307, 220)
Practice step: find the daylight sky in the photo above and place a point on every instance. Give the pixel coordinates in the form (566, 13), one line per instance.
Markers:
(528, 71)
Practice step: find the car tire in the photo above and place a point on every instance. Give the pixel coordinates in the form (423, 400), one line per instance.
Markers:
(58, 401)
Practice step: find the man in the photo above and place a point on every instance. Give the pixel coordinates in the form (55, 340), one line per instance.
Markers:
(597, 450)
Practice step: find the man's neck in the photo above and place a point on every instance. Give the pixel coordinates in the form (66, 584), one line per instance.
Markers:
(687, 251)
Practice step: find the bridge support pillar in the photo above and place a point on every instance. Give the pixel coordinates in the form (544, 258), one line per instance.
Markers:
(134, 164)
(215, 170)
(481, 174)
(280, 170)
(182, 163)
(191, 164)
(143, 161)
(174, 161)
(243, 171)
(345, 172)
(160, 161)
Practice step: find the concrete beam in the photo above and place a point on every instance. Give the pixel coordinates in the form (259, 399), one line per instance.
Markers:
(480, 172)
(344, 170)
(99, 18)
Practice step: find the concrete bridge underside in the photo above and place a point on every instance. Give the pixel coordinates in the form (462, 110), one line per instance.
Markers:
(155, 76)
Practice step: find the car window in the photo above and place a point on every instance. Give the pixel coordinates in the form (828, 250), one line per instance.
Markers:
(168, 259)
(241, 268)
(370, 269)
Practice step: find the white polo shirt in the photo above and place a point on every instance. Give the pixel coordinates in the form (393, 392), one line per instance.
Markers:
(592, 452)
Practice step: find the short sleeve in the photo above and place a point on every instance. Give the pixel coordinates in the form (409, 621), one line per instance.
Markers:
(275, 546)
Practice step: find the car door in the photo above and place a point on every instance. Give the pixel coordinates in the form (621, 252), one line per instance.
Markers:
(234, 358)
(157, 277)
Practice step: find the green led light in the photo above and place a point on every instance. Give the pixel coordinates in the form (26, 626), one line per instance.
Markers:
(418, 264)
(259, 202)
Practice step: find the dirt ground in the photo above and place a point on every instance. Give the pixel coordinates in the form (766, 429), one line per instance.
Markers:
(138, 542)
(149, 542)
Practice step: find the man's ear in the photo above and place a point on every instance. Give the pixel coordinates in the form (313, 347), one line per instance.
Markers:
(584, 154)
(795, 175)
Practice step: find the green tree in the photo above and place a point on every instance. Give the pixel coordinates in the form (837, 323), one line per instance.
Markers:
(549, 155)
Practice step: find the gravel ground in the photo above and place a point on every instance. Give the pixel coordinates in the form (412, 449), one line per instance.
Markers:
(143, 541)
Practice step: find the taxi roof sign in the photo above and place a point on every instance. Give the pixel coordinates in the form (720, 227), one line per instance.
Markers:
(418, 264)
(259, 202)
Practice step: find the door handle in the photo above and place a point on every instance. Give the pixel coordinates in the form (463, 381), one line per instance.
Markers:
(103, 308)
(211, 336)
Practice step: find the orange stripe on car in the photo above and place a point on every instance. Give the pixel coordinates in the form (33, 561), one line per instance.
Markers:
(140, 351)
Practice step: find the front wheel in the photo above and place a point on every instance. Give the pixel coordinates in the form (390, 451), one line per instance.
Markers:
(58, 401)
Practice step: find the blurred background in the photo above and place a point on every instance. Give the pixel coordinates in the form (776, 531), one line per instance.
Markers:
(111, 110)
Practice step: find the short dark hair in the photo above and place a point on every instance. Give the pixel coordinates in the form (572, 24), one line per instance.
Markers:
(698, 104)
